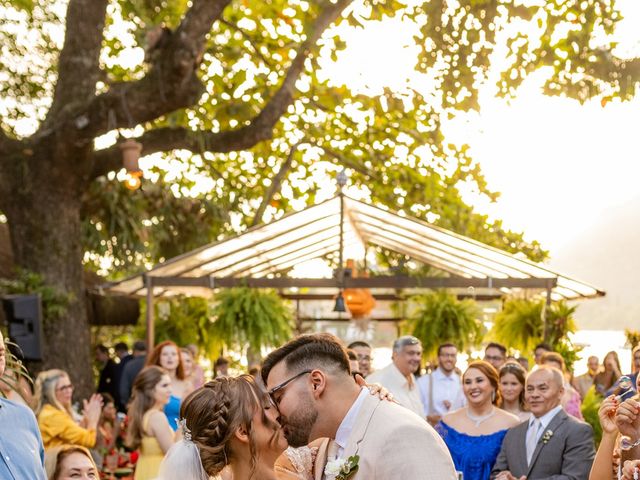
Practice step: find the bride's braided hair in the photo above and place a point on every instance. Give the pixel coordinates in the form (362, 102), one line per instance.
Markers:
(213, 414)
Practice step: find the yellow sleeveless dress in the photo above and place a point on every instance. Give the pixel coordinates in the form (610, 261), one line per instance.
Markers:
(151, 455)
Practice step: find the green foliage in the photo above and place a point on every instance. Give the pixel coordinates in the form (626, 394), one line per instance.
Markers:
(54, 302)
(590, 406)
(246, 317)
(520, 325)
(439, 317)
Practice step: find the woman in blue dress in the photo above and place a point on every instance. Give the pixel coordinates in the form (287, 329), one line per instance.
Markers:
(474, 433)
(167, 356)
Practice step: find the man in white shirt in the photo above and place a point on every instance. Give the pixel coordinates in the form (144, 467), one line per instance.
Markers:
(398, 378)
(441, 390)
(551, 444)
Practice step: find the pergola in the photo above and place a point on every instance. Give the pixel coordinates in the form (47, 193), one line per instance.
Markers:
(261, 257)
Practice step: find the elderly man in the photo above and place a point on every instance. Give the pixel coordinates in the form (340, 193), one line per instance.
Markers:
(398, 376)
(309, 380)
(551, 444)
(441, 390)
(21, 450)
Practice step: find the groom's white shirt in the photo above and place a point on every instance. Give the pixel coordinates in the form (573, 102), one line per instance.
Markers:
(344, 430)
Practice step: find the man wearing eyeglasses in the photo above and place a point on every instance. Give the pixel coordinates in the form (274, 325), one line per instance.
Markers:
(21, 450)
(496, 355)
(363, 354)
(308, 379)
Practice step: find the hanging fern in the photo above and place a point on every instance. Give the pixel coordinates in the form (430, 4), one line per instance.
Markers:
(519, 324)
(251, 317)
(439, 317)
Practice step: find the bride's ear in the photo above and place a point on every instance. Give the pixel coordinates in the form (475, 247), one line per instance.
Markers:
(242, 434)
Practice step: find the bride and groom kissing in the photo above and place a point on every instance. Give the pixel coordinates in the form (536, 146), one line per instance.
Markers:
(336, 428)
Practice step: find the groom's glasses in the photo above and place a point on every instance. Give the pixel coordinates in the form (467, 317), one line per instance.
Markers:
(280, 387)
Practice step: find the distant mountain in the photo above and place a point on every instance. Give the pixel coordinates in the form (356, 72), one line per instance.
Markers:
(607, 255)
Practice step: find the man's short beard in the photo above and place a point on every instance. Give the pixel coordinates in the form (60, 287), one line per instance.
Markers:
(298, 425)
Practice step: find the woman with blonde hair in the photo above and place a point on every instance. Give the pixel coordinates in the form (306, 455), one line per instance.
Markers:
(148, 428)
(167, 355)
(67, 462)
(54, 392)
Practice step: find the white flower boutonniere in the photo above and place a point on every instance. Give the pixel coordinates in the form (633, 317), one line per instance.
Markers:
(547, 436)
(341, 469)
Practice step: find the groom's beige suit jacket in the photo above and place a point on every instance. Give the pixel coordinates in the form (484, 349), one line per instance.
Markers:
(393, 443)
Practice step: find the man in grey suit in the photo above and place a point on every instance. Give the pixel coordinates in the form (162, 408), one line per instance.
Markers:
(551, 444)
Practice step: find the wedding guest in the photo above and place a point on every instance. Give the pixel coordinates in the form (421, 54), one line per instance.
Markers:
(108, 429)
(363, 352)
(474, 433)
(604, 380)
(398, 377)
(198, 371)
(627, 420)
(188, 365)
(633, 376)
(571, 401)
(167, 355)
(552, 444)
(512, 382)
(308, 379)
(67, 462)
(582, 383)
(131, 370)
(353, 362)
(54, 391)
(495, 354)
(540, 350)
(524, 363)
(441, 390)
(221, 367)
(21, 449)
(148, 428)
(605, 465)
(108, 382)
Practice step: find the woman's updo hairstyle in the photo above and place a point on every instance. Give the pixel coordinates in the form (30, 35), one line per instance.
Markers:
(213, 413)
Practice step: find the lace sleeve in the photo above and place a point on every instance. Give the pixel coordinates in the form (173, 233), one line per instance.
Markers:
(302, 460)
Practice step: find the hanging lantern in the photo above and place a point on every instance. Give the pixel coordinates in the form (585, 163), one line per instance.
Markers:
(339, 305)
(131, 151)
(359, 301)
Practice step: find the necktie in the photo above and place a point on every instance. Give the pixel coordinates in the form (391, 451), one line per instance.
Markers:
(532, 438)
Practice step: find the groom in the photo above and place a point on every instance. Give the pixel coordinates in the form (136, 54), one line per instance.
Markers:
(309, 380)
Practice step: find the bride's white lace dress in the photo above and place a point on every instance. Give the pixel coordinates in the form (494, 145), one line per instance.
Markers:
(300, 465)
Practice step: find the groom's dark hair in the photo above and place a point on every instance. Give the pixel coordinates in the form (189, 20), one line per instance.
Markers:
(316, 350)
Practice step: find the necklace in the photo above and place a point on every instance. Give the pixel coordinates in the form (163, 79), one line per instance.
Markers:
(478, 420)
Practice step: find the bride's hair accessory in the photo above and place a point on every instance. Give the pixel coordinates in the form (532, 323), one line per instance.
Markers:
(186, 433)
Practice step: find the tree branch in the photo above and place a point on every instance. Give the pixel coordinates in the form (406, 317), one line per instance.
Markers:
(248, 38)
(260, 128)
(78, 66)
(275, 184)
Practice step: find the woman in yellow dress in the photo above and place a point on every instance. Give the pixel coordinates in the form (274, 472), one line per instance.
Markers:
(148, 428)
(53, 395)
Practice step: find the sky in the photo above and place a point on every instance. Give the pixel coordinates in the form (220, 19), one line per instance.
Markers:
(557, 164)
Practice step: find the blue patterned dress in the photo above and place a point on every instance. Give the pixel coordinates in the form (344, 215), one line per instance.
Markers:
(474, 456)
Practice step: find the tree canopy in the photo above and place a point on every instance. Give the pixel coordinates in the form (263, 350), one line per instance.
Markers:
(231, 94)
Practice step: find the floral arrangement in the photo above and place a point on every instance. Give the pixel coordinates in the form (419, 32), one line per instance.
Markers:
(341, 469)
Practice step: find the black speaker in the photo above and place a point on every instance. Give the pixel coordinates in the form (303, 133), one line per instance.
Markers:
(24, 319)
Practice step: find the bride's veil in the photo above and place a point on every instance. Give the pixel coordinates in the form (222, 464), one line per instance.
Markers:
(182, 461)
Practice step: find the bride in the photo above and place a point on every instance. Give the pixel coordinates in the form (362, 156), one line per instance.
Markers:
(231, 422)
(230, 431)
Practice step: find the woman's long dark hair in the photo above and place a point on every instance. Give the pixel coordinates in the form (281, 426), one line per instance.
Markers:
(517, 371)
(142, 399)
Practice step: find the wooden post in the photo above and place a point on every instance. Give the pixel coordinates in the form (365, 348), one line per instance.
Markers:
(545, 316)
(148, 281)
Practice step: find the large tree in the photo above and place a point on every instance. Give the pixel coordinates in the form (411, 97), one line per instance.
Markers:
(220, 77)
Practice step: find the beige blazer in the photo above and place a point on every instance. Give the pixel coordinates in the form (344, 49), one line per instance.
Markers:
(393, 443)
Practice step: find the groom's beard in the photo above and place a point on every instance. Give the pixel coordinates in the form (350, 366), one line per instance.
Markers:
(297, 426)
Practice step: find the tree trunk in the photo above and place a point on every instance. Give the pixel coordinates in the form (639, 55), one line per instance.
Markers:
(44, 221)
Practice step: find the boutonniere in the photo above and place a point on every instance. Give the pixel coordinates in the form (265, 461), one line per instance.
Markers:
(547, 436)
(341, 469)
